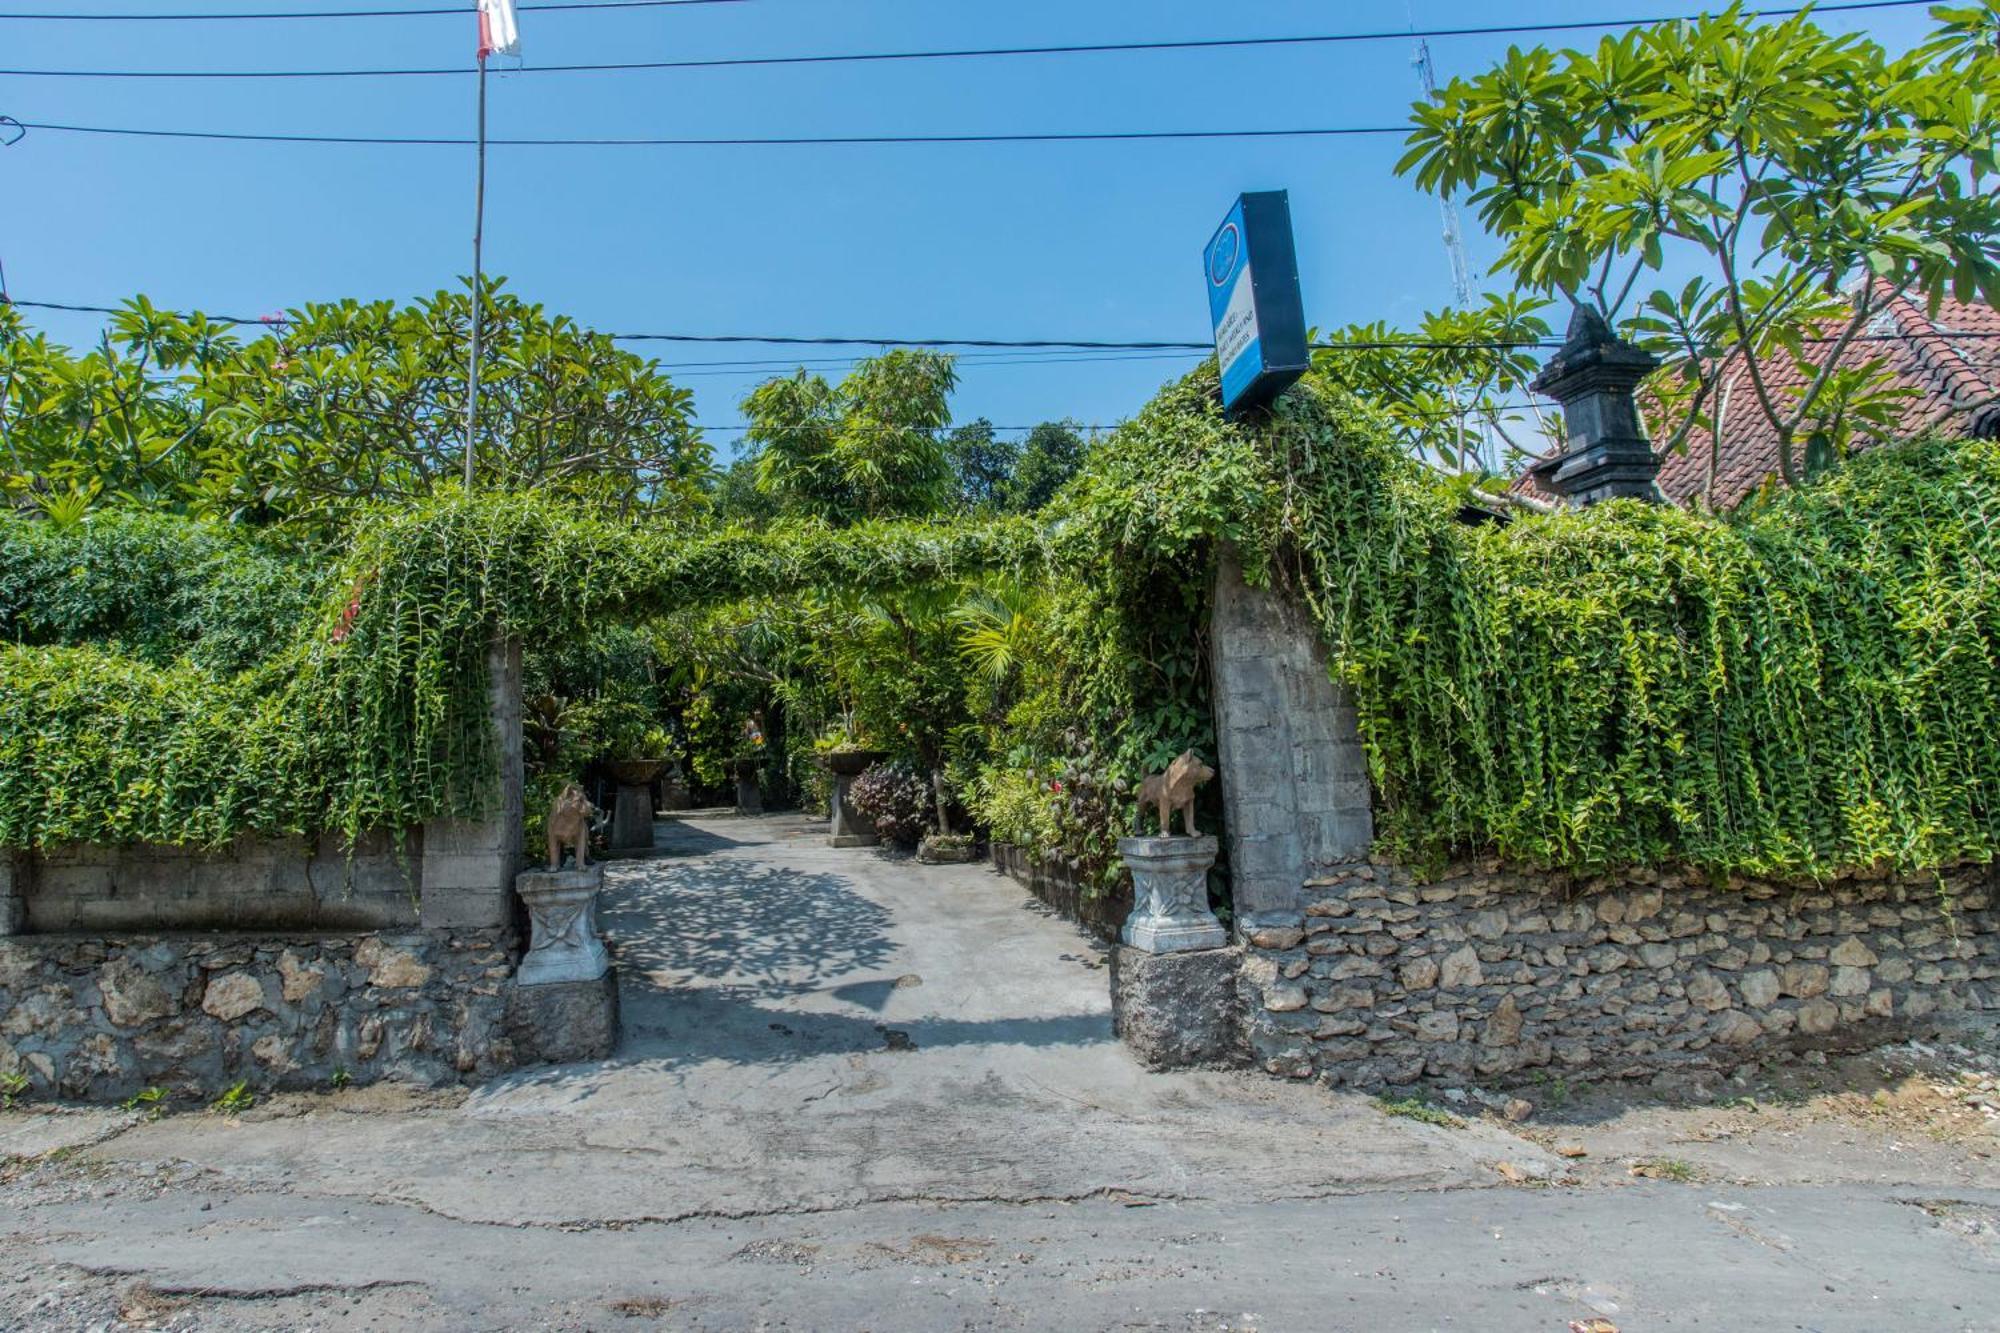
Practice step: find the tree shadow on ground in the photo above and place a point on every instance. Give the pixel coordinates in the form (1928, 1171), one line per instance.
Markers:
(759, 929)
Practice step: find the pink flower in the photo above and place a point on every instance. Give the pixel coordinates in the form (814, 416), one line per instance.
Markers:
(1055, 785)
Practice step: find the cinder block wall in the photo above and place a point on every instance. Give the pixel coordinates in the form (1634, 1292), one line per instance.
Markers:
(253, 884)
(450, 874)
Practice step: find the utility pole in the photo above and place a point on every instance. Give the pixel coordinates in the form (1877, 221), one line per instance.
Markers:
(478, 293)
(498, 34)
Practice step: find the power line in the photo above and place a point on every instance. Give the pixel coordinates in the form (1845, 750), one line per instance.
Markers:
(1058, 344)
(964, 53)
(440, 141)
(458, 10)
(989, 425)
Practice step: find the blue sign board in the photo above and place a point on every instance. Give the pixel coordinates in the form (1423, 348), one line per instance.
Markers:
(1253, 301)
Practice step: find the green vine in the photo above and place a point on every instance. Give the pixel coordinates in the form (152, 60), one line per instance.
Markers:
(1805, 686)
(373, 711)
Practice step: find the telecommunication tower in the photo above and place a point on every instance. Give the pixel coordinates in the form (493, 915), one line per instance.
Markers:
(1454, 242)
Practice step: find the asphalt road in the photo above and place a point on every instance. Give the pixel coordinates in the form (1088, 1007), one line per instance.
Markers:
(858, 1093)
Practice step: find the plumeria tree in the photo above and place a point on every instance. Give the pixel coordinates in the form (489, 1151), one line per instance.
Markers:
(1803, 178)
(326, 408)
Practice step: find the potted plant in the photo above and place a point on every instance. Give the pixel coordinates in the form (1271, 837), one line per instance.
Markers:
(948, 849)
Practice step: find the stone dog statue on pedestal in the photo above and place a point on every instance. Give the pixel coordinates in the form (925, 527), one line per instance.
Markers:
(1174, 790)
(569, 824)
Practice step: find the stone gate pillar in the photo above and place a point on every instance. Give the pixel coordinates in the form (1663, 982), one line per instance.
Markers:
(469, 864)
(1295, 789)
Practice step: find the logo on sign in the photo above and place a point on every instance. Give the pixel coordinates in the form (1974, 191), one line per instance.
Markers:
(1222, 259)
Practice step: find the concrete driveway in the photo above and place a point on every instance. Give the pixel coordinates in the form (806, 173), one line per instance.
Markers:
(857, 1092)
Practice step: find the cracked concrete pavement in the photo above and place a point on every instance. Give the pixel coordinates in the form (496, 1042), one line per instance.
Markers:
(856, 1092)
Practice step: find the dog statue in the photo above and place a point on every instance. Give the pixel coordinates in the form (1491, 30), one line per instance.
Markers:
(569, 824)
(1174, 790)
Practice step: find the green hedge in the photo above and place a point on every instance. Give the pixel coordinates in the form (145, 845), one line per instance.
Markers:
(1805, 686)
(376, 716)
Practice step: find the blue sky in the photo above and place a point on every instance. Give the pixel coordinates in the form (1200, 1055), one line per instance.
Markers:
(1097, 240)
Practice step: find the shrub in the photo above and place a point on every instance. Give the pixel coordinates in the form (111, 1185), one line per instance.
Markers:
(896, 799)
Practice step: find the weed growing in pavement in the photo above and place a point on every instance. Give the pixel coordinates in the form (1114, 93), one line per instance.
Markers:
(235, 1101)
(1416, 1108)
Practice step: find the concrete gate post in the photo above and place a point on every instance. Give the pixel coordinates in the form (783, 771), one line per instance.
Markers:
(1296, 802)
(1295, 790)
(469, 864)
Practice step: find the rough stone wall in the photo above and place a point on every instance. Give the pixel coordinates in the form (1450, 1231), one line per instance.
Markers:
(101, 1019)
(1295, 789)
(1489, 974)
(253, 884)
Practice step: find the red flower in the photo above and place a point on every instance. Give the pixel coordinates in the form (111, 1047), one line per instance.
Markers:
(1055, 785)
(347, 615)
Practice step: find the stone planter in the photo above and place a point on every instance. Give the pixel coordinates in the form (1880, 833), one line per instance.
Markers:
(850, 763)
(632, 814)
(1170, 895)
(749, 796)
(848, 826)
(931, 853)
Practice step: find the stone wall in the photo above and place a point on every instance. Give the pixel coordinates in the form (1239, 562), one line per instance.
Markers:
(101, 1019)
(1494, 975)
(1056, 886)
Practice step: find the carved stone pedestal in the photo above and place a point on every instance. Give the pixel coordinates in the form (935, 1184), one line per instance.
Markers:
(1170, 895)
(749, 796)
(632, 813)
(562, 904)
(849, 827)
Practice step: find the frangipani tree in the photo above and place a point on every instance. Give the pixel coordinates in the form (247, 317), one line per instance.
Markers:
(1804, 178)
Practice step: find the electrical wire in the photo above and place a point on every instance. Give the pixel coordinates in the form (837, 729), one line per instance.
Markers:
(458, 10)
(964, 53)
(1058, 344)
(440, 141)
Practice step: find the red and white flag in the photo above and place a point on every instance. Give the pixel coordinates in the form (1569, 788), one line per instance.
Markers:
(498, 33)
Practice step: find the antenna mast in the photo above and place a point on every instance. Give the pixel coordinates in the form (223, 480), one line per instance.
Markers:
(1454, 243)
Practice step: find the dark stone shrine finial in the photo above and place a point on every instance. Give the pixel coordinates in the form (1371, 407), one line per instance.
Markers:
(1606, 455)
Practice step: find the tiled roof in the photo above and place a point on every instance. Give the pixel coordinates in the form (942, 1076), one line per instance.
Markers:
(1957, 383)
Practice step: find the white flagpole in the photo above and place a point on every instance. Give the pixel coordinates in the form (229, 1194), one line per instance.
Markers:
(478, 230)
